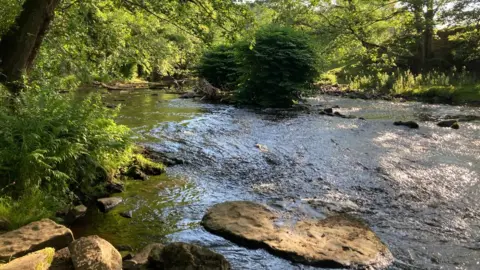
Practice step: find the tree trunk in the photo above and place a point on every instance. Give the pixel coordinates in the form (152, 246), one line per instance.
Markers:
(19, 46)
(429, 28)
(420, 43)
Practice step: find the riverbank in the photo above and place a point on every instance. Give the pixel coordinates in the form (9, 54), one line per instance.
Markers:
(462, 95)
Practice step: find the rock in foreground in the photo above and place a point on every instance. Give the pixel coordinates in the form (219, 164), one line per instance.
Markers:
(333, 242)
(93, 252)
(39, 260)
(178, 256)
(32, 237)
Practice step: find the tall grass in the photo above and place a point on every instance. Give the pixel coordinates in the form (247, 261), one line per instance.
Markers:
(454, 86)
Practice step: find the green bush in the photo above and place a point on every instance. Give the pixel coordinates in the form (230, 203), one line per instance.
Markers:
(219, 67)
(58, 144)
(277, 68)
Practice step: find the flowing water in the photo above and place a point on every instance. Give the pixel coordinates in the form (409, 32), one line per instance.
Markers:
(417, 189)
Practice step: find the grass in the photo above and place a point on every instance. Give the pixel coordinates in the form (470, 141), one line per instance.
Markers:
(454, 94)
(454, 87)
(32, 206)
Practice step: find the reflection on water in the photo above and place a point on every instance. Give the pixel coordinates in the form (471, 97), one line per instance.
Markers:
(155, 204)
(155, 207)
(142, 110)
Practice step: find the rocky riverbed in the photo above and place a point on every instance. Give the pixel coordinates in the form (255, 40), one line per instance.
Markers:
(416, 188)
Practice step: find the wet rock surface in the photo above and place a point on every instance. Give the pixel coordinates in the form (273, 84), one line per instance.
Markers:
(75, 213)
(410, 124)
(140, 260)
(107, 204)
(178, 256)
(112, 188)
(449, 124)
(337, 241)
(136, 173)
(32, 237)
(39, 260)
(62, 260)
(93, 252)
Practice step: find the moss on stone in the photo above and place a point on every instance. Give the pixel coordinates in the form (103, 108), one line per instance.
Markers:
(148, 166)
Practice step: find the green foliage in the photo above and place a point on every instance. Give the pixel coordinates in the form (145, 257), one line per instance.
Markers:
(8, 11)
(147, 165)
(278, 68)
(452, 87)
(58, 144)
(31, 206)
(219, 67)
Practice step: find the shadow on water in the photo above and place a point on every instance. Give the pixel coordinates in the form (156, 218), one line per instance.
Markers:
(417, 189)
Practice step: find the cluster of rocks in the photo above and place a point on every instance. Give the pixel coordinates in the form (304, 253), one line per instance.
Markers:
(337, 241)
(313, 109)
(445, 124)
(337, 90)
(331, 112)
(137, 170)
(45, 245)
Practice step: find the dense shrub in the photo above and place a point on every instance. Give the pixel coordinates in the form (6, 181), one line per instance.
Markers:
(277, 68)
(219, 67)
(58, 144)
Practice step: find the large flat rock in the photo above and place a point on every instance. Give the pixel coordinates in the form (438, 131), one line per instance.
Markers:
(32, 237)
(337, 241)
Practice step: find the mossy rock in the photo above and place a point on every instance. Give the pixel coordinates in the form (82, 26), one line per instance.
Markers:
(39, 260)
(148, 166)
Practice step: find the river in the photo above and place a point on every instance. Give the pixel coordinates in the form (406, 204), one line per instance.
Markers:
(417, 189)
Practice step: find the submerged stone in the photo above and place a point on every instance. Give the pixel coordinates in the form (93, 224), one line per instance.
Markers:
(126, 214)
(140, 260)
(337, 241)
(410, 124)
(328, 110)
(449, 124)
(32, 237)
(107, 204)
(186, 256)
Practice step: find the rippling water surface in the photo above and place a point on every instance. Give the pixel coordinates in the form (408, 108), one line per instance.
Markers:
(417, 189)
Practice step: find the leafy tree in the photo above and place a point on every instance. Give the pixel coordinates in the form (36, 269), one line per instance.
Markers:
(112, 32)
(278, 68)
(220, 67)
